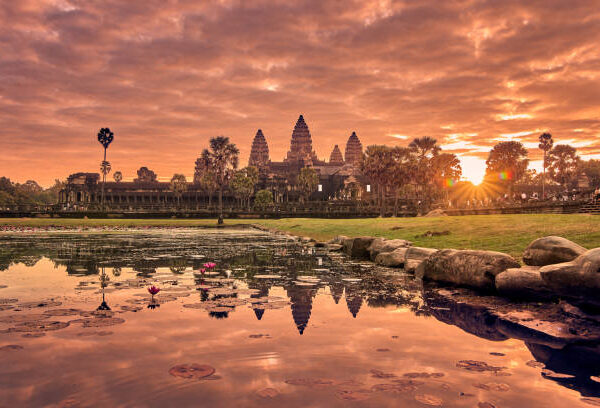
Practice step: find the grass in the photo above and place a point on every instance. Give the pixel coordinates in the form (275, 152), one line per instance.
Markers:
(509, 233)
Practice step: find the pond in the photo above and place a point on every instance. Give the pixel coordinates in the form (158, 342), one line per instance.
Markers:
(276, 322)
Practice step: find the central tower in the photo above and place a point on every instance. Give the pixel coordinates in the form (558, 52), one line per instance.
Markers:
(301, 145)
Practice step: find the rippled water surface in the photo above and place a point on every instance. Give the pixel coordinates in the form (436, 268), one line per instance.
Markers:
(275, 323)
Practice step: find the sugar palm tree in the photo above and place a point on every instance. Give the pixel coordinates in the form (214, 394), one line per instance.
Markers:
(105, 138)
(221, 159)
(546, 143)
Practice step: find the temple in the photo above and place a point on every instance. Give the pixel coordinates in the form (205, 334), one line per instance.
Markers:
(340, 178)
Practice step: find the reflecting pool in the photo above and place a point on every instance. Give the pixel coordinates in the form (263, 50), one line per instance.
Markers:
(276, 322)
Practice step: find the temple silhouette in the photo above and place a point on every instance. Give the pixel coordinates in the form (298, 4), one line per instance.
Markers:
(339, 177)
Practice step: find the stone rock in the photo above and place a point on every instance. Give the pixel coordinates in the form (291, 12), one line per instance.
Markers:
(579, 278)
(357, 247)
(394, 258)
(380, 245)
(523, 282)
(415, 256)
(551, 250)
(476, 269)
(436, 213)
(334, 247)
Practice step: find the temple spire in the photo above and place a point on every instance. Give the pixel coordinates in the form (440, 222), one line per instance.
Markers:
(301, 144)
(259, 154)
(336, 156)
(354, 150)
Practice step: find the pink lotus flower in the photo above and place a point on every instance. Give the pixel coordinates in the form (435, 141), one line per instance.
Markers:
(210, 265)
(153, 290)
(202, 270)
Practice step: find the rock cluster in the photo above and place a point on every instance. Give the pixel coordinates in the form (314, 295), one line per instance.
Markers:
(555, 267)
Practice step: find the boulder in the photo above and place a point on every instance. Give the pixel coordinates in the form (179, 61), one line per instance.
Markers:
(415, 256)
(551, 250)
(523, 282)
(393, 259)
(334, 247)
(357, 247)
(436, 213)
(477, 269)
(578, 278)
(380, 245)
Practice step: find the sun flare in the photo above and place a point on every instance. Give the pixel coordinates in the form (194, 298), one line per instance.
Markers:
(473, 169)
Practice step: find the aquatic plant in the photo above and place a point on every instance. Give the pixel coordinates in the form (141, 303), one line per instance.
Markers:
(153, 290)
(210, 265)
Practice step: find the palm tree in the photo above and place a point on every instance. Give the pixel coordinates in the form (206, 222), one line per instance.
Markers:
(105, 138)
(221, 160)
(546, 143)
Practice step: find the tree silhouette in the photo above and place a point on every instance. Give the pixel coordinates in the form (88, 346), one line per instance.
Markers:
(263, 199)
(507, 162)
(376, 165)
(178, 186)
(546, 143)
(563, 164)
(221, 160)
(402, 171)
(105, 138)
(308, 180)
(243, 183)
(425, 150)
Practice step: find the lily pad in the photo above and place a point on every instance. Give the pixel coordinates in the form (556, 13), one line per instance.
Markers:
(192, 371)
(311, 382)
(37, 326)
(11, 347)
(100, 321)
(357, 395)
(535, 364)
(267, 276)
(493, 386)
(62, 312)
(267, 393)
(429, 399)
(478, 366)
(380, 374)
(5, 301)
(43, 303)
(33, 335)
(395, 388)
(21, 318)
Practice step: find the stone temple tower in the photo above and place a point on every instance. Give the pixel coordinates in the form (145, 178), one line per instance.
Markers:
(354, 150)
(301, 144)
(259, 154)
(336, 156)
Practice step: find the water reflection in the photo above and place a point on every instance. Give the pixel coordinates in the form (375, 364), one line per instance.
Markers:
(267, 275)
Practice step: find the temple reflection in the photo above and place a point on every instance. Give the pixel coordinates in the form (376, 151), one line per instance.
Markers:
(298, 272)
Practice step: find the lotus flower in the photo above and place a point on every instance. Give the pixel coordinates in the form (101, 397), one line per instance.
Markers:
(153, 290)
(202, 270)
(210, 265)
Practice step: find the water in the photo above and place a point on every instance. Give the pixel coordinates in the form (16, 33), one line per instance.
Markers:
(322, 331)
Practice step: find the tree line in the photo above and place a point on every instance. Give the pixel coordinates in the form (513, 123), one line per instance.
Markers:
(30, 192)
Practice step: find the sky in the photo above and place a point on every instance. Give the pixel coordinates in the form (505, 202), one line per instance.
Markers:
(165, 76)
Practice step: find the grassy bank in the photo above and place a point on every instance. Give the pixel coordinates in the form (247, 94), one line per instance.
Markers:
(505, 233)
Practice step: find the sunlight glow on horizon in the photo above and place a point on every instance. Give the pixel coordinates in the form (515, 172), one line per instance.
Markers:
(473, 169)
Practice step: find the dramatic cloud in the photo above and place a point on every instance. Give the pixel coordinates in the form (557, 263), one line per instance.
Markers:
(166, 75)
